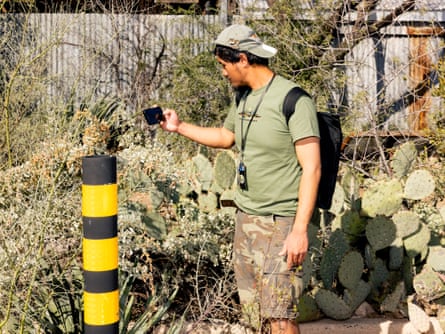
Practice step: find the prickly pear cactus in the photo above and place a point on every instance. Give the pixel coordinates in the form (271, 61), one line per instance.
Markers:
(382, 198)
(153, 222)
(436, 258)
(403, 159)
(332, 256)
(225, 169)
(369, 256)
(203, 171)
(393, 299)
(351, 270)
(396, 254)
(379, 274)
(354, 298)
(407, 223)
(418, 243)
(338, 199)
(428, 284)
(408, 271)
(419, 185)
(333, 305)
(351, 185)
(380, 232)
(352, 224)
(208, 202)
(307, 309)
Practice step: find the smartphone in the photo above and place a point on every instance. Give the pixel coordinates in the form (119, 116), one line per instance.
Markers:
(153, 115)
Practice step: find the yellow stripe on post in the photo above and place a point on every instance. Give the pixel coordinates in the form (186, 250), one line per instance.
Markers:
(99, 200)
(103, 308)
(100, 255)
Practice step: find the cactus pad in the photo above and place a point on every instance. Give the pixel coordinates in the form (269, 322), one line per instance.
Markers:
(369, 256)
(351, 270)
(354, 298)
(392, 300)
(225, 169)
(420, 184)
(418, 242)
(403, 159)
(333, 305)
(338, 199)
(407, 223)
(353, 225)
(379, 274)
(382, 198)
(436, 258)
(351, 185)
(307, 309)
(332, 256)
(208, 202)
(396, 255)
(428, 284)
(381, 232)
(203, 171)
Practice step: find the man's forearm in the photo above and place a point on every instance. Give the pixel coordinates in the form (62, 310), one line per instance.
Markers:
(213, 137)
(307, 198)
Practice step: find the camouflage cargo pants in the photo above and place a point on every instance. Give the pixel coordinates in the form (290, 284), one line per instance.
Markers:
(267, 289)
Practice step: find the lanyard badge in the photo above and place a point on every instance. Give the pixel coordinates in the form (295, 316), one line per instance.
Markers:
(242, 176)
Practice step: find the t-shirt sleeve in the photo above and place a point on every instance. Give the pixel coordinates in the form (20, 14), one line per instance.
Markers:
(229, 122)
(303, 122)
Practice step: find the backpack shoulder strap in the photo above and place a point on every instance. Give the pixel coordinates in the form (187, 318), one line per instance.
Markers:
(291, 100)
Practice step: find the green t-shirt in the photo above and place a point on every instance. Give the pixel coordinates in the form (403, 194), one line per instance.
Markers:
(273, 172)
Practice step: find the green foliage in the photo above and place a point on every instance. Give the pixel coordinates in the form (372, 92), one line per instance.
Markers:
(154, 309)
(60, 306)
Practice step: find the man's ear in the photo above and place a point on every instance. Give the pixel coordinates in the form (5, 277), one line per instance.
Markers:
(243, 59)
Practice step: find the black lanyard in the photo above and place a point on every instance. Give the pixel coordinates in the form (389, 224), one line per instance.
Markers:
(243, 138)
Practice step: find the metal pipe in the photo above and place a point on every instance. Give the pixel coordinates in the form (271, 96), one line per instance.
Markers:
(100, 245)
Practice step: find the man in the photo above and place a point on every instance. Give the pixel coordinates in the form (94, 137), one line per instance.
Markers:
(278, 176)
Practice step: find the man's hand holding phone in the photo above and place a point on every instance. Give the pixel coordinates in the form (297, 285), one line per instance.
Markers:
(168, 119)
(153, 115)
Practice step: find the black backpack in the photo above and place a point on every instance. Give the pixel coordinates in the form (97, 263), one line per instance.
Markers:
(331, 139)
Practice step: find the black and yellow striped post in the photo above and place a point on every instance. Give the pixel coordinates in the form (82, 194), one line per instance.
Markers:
(100, 245)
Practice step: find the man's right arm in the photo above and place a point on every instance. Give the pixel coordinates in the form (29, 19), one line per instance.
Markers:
(213, 137)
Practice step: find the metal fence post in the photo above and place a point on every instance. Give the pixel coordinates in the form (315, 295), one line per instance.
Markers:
(100, 245)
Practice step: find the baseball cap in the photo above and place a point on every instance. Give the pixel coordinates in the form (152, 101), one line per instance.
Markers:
(243, 38)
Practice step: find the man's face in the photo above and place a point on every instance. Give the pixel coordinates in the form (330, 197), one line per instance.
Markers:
(231, 71)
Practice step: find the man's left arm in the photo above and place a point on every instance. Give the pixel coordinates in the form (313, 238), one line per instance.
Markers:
(308, 155)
